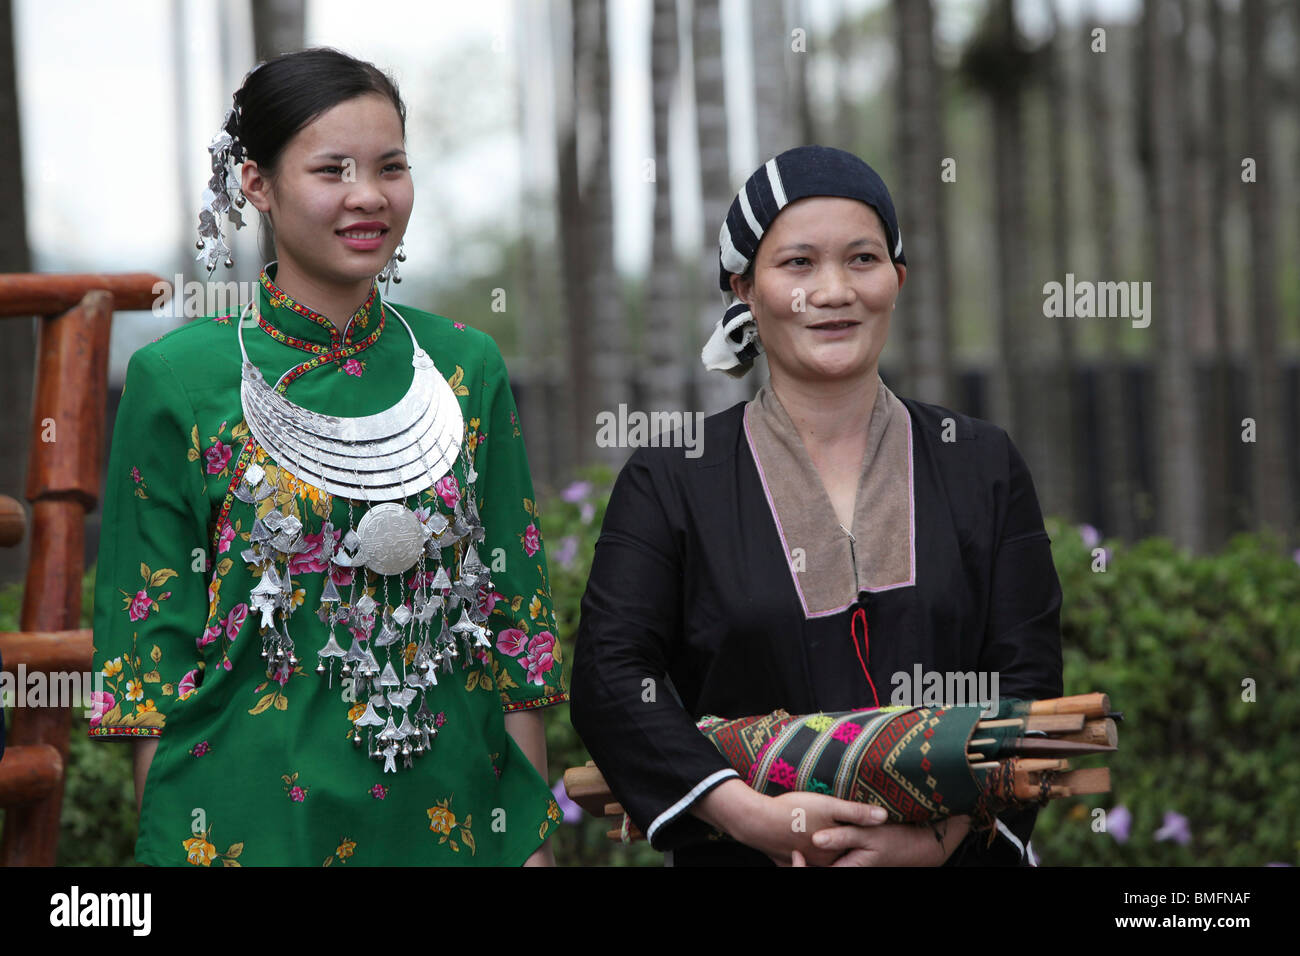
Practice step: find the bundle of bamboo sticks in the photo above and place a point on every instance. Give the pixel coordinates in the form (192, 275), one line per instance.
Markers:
(1035, 761)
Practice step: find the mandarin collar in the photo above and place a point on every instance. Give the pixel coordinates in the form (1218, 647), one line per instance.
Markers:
(294, 323)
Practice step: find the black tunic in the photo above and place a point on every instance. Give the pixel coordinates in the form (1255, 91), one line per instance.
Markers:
(690, 580)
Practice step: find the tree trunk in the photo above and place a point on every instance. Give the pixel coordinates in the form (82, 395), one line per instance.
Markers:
(1272, 508)
(608, 321)
(1057, 422)
(773, 106)
(1116, 468)
(529, 301)
(922, 319)
(1222, 437)
(1179, 490)
(573, 240)
(664, 371)
(717, 390)
(279, 26)
(1009, 396)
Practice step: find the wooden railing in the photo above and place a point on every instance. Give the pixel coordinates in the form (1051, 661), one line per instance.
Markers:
(63, 475)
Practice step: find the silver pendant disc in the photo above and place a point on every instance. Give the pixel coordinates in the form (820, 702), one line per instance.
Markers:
(391, 538)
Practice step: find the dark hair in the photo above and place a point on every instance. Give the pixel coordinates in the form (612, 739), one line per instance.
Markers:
(283, 95)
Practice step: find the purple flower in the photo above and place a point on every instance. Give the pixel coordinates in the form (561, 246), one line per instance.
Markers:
(576, 492)
(588, 512)
(1090, 535)
(1175, 829)
(572, 812)
(1118, 822)
(1296, 555)
(567, 551)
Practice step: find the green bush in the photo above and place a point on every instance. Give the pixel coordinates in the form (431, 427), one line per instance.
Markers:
(1176, 640)
(1171, 638)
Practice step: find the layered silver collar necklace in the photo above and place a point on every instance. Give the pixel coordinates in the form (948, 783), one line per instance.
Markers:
(378, 460)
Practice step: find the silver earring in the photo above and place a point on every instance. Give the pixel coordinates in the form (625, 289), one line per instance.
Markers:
(390, 272)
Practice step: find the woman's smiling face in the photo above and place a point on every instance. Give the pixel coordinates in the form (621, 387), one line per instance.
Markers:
(341, 193)
(823, 289)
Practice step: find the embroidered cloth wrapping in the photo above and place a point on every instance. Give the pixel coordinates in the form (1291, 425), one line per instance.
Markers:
(910, 760)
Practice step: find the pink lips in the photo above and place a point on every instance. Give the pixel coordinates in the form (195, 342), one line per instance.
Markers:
(364, 236)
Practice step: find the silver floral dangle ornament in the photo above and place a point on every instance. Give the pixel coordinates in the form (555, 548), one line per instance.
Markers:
(372, 460)
(222, 198)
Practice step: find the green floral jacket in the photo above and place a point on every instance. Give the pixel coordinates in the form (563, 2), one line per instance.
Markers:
(256, 766)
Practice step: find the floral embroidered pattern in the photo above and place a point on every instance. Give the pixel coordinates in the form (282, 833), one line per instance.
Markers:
(295, 792)
(199, 851)
(141, 487)
(217, 455)
(847, 733)
(276, 699)
(125, 705)
(782, 774)
(344, 851)
(279, 300)
(474, 436)
(536, 654)
(443, 821)
(199, 749)
(140, 605)
(819, 722)
(457, 382)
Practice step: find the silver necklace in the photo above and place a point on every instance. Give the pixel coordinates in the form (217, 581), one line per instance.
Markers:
(372, 458)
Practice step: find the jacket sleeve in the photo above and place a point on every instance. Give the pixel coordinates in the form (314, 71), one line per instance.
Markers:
(529, 662)
(655, 760)
(1022, 644)
(151, 592)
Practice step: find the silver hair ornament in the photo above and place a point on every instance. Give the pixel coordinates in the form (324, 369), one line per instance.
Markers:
(222, 197)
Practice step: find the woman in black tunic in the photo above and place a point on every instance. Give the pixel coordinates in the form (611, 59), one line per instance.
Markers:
(828, 537)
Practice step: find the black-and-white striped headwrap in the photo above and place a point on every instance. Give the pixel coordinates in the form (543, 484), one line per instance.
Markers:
(795, 174)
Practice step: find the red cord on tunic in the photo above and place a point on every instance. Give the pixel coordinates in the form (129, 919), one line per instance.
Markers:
(863, 649)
